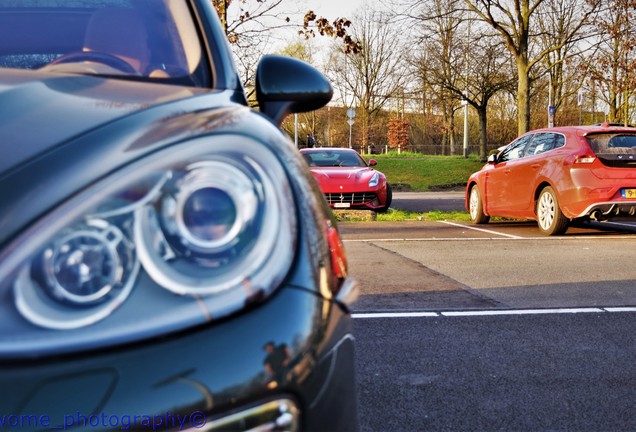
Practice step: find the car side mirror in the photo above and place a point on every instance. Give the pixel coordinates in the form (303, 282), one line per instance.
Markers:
(492, 159)
(286, 85)
(373, 162)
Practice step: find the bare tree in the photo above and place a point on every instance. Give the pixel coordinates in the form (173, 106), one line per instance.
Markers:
(440, 60)
(561, 64)
(251, 26)
(612, 67)
(513, 21)
(490, 72)
(370, 79)
(462, 66)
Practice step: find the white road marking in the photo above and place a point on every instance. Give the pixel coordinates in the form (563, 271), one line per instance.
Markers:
(506, 312)
(395, 315)
(501, 236)
(439, 239)
(521, 312)
(481, 229)
(620, 309)
(379, 240)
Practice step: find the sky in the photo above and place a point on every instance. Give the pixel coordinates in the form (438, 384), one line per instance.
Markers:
(333, 9)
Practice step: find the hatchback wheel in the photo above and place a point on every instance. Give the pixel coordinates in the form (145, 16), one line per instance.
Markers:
(549, 216)
(476, 207)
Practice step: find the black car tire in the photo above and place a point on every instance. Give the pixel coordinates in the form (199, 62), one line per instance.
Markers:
(476, 207)
(389, 198)
(550, 218)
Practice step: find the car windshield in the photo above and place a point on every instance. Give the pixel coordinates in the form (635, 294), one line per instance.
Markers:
(331, 158)
(615, 149)
(142, 38)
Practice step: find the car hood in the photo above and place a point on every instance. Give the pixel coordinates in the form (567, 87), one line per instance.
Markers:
(39, 111)
(342, 174)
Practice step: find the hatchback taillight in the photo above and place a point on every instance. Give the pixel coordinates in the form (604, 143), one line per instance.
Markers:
(584, 159)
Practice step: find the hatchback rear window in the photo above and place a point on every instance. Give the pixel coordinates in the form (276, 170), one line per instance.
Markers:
(616, 150)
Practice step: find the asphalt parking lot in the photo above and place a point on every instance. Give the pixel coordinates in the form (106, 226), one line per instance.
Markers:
(502, 265)
(450, 200)
(494, 327)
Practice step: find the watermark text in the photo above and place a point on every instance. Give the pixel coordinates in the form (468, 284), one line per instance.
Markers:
(100, 421)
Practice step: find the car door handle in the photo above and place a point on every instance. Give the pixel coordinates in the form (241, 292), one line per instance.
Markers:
(536, 166)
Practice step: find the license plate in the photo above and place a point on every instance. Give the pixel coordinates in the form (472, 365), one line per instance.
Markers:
(629, 193)
(341, 205)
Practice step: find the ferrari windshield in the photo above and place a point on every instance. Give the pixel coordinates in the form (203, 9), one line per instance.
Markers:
(144, 38)
(333, 158)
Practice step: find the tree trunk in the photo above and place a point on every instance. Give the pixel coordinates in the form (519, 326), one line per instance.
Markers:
(446, 129)
(451, 134)
(483, 132)
(523, 95)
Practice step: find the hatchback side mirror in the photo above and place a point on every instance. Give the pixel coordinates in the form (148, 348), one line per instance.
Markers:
(492, 159)
(286, 85)
(373, 162)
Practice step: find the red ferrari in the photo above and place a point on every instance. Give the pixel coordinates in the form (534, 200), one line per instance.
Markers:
(346, 180)
(558, 175)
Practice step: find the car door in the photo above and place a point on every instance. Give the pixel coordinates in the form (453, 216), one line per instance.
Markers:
(499, 189)
(525, 173)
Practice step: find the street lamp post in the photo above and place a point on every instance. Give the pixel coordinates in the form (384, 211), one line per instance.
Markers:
(465, 103)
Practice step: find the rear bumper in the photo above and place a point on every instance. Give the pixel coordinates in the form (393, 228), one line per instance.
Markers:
(612, 209)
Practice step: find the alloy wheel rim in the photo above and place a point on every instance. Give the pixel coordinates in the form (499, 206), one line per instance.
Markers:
(474, 203)
(546, 211)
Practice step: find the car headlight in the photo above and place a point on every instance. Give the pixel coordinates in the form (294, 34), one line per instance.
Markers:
(190, 234)
(375, 179)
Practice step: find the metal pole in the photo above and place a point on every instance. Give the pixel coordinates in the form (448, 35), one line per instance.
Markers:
(466, 103)
(550, 106)
(466, 129)
(350, 126)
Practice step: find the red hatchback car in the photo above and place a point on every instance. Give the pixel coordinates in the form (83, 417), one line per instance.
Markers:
(557, 175)
(347, 181)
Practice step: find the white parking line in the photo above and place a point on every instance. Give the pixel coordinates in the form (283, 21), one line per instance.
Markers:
(450, 239)
(521, 312)
(621, 309)
(481, 229)
(395, 315)
(434, 239)
(503, 312)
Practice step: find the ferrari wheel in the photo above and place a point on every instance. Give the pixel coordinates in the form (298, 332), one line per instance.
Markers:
(389, 198)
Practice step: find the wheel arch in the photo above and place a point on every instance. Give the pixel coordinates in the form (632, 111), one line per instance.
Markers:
(469, 187)
(537, 191)
(542, 185)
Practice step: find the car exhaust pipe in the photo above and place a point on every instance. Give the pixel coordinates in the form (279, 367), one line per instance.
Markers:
(597, 215)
